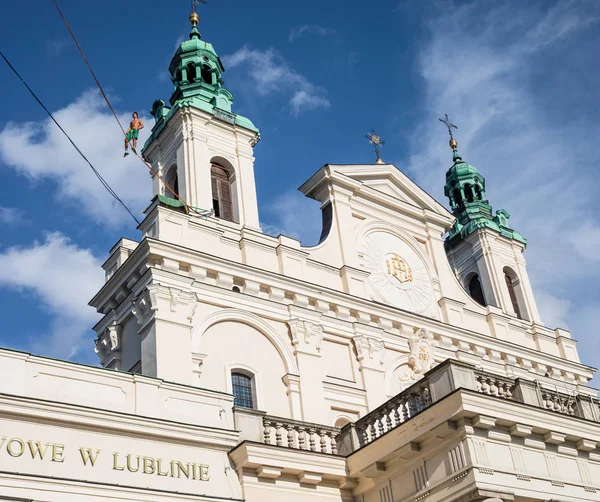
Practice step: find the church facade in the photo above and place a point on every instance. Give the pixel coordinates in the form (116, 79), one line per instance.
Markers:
(402, 358)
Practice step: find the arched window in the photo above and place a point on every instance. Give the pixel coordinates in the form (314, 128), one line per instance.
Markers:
(206, 74)
(221, 192)
(179, 75)
(172, 181)
(457, 196)
(341, 422)
(513, 295)
(478, 192)
(468, 192)
(475, 290)
(243, 390)
(191, 72)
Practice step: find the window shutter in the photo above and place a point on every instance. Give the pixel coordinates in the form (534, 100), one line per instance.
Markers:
(226, 202)
(513, 296)
(221, 190)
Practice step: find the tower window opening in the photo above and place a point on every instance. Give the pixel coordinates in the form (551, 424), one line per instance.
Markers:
(469, 192)
(179, 75)
(478, 192)
(191, 72)
(206, 74)
(221, 193)
(172, 182)
(475, 290)
(243, 390)
(457, 196)
(513, 296)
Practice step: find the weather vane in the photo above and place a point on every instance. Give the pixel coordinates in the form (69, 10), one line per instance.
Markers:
(449, 125)
(194, 2)
(376, 141)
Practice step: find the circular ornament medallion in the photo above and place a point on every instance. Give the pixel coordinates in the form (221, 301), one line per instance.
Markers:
(398, 275)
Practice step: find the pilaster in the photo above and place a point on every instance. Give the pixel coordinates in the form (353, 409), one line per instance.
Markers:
(164, 315)
(306, 334)
(370, 350)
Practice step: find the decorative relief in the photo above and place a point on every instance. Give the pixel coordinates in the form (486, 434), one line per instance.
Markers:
(144, 305)
(173, 299)
(420, 477)
(480, 451)
(108, 346)
(422, 351)
(456, 459)
(307, 332)
(398, 275)
(369, 349)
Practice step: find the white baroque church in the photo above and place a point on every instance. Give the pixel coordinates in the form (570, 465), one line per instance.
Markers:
(401, 359)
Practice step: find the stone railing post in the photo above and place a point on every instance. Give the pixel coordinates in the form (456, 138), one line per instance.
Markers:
(449, 376)
(526, 392)
(587, 407)
(347, 440)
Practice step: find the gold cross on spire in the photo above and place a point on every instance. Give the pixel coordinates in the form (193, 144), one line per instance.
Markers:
(450, 125)
(376, 141)
(194, 17)
(194, 2)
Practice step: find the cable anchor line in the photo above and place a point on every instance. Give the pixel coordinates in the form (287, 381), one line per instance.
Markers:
(187, 207)
(98, 175)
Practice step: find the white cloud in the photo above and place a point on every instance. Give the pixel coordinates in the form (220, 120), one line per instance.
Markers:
(304, 101)
(55, 46)
(293, 215)
(11, 216)
(310, 29)
(40, 151)
(495, 75)
(63, 278)
(270, 73)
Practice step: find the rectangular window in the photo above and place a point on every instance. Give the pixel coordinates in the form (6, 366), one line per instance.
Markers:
(242, 390)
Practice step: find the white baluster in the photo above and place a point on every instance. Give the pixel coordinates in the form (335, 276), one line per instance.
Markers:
(323, 435)
(267, 431)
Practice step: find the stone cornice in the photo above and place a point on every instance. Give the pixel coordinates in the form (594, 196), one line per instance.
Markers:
(103, 420)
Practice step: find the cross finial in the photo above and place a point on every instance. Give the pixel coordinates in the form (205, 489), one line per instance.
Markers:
(449, 125)
(376, 141)
(194, 2)
(195, 19)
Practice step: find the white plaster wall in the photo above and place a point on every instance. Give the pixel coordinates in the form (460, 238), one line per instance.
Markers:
(231, 345)
(131, 352)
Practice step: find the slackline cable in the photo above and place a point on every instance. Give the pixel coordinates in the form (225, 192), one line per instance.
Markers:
(102, 180)
(185, 204)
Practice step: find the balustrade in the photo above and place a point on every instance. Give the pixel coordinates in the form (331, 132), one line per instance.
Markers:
(413, 400)
(494, 385)
(393, 413)
(558, 402)
(300, 435)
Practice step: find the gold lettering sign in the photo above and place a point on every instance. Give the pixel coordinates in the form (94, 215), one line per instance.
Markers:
(399, 269)
(53, 452)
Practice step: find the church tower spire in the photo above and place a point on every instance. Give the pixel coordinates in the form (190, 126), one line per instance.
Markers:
(486, 253)
(199, 146)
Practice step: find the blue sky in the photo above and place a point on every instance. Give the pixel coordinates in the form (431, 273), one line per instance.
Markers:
(520, 79)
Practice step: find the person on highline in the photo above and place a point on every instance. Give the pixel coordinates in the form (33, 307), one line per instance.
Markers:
(133, 133)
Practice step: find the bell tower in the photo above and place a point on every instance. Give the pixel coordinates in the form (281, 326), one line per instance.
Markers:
(485, 252)
(201, 150)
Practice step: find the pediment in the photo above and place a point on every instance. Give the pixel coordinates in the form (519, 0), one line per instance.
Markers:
(389, 180)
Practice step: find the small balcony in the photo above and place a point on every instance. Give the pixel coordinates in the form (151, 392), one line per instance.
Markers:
(457, 432)
(441, 381)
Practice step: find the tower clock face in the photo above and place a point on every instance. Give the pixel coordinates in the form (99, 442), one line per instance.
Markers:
(398, 274)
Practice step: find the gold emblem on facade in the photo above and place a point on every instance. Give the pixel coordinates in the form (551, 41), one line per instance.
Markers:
(399, 269)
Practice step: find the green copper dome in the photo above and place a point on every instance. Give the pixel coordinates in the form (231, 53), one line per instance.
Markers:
(196, 72)
(465, 188)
